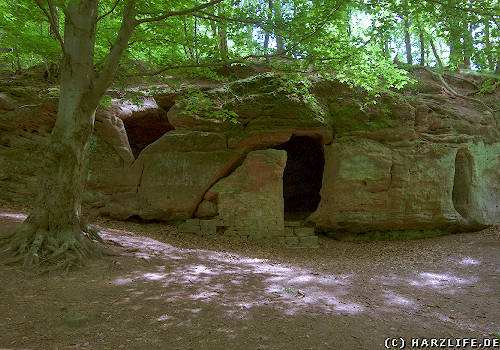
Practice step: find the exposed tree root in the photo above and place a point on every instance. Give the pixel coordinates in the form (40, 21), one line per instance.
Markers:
(467, 81)
(456, 94)
(65, 248)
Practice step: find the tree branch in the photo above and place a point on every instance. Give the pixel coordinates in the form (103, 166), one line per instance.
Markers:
(318, 27)
(180, 13)
(216, 18)
(52, 23)
(104, 77)
(109, 12)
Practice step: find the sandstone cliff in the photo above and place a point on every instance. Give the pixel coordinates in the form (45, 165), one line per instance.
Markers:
(343, 161)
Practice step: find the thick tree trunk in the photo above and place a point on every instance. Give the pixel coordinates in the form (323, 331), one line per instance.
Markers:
(55, 231)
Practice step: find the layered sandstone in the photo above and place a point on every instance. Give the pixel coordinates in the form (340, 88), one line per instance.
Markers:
(417, 159)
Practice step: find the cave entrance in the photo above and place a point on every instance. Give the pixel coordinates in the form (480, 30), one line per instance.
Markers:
(462, 182)
(145, 127)
(303, 176)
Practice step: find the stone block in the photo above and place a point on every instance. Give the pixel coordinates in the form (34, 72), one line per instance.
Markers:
(291, 241)
(190, 226)
(289, 231)
(309, 241)
(208, 227)
(304, 231)
(292, 223)
(206, 209)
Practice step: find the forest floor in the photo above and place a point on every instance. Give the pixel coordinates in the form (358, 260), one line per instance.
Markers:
(168, 291)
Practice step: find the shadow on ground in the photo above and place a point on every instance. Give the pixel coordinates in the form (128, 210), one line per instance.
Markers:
(350, 296)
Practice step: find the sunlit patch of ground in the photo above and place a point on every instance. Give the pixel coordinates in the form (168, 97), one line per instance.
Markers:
(186, 292)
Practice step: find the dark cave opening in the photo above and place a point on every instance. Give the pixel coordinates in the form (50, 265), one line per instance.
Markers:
(303, 176)
(462, 182)
(145, 127)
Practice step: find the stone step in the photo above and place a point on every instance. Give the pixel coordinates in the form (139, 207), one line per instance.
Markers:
(293, 223)
(304, 231)
(302, 242)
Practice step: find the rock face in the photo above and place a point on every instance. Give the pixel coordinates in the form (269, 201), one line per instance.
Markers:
(261, 153)
(370, 186)
(250, 200)
(170, 177)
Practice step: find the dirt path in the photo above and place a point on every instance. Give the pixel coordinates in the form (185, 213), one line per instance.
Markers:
(194, 293)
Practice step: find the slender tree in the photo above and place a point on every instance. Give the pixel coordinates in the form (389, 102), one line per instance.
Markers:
(422, 46)
(406, 28)
(487, 44)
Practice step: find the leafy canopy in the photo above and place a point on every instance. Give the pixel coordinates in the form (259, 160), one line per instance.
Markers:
(355, 41)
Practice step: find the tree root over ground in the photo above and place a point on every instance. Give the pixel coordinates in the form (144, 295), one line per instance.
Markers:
(36, 247)
(456, 94)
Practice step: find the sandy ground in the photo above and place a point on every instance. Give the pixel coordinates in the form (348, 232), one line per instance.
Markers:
(178, 292)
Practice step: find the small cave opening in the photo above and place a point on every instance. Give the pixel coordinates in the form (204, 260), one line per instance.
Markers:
(145, 127)
(462, 183)
(303, 176)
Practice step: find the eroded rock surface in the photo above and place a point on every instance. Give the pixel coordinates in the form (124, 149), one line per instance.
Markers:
(250, 200)
(416, 159)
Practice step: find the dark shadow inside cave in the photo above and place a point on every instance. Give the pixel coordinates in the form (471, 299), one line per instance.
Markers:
(145, 127)
(303, 175)
(462, 182)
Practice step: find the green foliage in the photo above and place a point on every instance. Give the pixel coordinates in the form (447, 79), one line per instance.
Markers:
(24, 34)
(106, 101)
(353, 42)
(488, 87)
(195, 102)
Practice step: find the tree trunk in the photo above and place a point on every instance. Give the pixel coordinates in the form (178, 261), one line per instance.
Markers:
(422, 46)
(223, 34)
(188, 50)
(384, 47)
(435, 53)
(409, 58)
(278, 20)
(54, 12)
(215, 35)
(468, 45)
(196, 51)
(19, 67)
(55, 231)
(455, 35)
(269, 19)
(487, 43)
